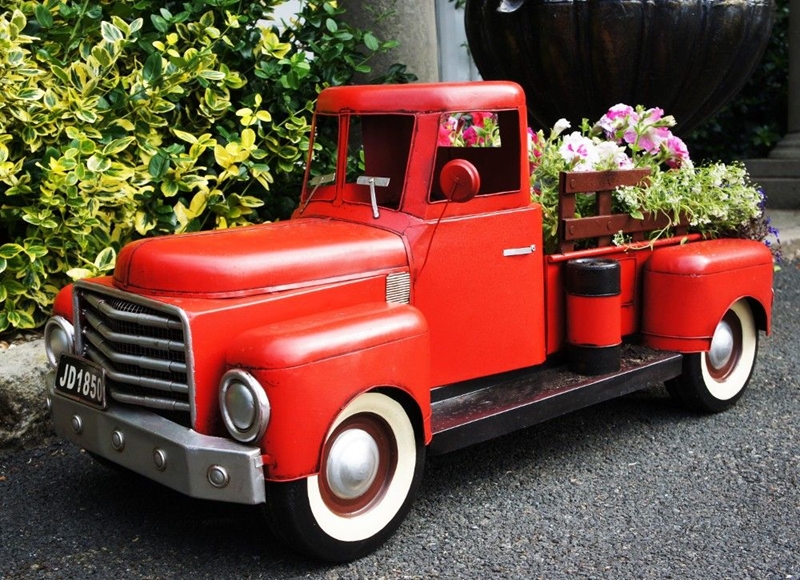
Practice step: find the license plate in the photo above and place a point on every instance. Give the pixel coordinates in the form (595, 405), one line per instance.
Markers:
(82, 380)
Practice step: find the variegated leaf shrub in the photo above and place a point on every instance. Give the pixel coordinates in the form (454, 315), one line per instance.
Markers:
(128, 118)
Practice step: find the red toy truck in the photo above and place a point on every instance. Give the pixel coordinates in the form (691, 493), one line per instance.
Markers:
(407, 308)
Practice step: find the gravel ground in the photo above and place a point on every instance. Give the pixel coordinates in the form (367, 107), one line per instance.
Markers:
(634, 488)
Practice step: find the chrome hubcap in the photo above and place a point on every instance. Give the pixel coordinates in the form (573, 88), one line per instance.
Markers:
(352, 464)
(721, 345)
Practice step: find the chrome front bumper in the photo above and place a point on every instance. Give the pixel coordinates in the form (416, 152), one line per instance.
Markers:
(197, 465)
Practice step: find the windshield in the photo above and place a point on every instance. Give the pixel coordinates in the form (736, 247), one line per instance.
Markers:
(377, 158)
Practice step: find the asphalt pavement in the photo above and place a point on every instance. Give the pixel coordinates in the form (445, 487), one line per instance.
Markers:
(633, 488)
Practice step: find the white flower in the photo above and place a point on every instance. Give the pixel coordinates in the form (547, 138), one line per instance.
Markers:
(612, 156)
(579, 151)
(560, 126)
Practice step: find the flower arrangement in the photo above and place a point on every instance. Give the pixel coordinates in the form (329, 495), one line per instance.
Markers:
(716, 199)
(473, 129)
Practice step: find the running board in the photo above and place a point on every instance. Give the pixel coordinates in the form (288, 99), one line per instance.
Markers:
(467, 413)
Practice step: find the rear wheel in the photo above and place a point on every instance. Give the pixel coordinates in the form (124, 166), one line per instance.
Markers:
(371, 465)
(715, 380)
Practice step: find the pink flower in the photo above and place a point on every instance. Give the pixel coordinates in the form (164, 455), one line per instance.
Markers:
(447, 126)
(650, 139)
(470, 136)
(677, 151)
(445, 136)
(620, 117)
(479, 118)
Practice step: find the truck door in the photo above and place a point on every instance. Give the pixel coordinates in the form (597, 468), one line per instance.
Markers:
(479, 276)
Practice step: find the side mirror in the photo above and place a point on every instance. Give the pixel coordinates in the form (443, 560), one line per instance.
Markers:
(459, 180)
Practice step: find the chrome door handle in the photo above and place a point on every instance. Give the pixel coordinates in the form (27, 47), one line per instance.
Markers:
(520, 251)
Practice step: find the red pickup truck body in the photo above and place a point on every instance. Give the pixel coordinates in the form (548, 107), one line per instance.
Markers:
(415, 281)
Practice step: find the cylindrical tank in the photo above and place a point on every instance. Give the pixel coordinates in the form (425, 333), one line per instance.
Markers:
(594, 315)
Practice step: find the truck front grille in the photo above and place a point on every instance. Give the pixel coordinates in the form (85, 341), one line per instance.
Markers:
(141, 347)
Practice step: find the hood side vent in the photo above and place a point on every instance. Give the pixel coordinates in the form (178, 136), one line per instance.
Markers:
(398, 288)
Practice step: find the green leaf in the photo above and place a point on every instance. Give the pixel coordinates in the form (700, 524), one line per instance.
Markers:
(213, 75)
(371, 42)
(87, 147)
(159, 22)
(30, 94)
(98, 164)
(111, 33)
(159, 165)
(43, 16)
(169, 188)
(331, 25)
(102, 56)
(153, 68)
(34, 252)
(13, 287)
(250, 201)
(8, 251)
(118, 145)
(105, 260)
(3, 294)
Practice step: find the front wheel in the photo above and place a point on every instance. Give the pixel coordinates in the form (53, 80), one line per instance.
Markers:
(714, 380)
(371, 465)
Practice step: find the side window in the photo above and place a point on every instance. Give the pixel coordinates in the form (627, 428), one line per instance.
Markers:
(487, 139)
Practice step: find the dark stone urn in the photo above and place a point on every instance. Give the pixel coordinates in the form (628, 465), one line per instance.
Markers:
(577, 58)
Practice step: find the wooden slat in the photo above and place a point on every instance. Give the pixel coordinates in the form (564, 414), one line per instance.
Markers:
(608, 225)
(589, 181)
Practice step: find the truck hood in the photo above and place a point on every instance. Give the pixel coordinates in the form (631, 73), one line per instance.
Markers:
(255, 259)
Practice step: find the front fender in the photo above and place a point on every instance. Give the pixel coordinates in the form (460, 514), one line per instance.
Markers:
(312, 366)
(687, 290)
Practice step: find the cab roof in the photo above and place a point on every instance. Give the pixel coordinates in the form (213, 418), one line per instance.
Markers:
(422, 97)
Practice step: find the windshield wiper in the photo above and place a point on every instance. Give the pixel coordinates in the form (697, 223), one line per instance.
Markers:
(316, 182)
(373, 182)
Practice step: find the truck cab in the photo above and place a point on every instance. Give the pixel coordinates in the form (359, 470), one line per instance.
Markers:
(407, 308)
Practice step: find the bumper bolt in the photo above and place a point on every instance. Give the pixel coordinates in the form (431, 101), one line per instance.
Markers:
(160, 459)
(117, 440)
(218, 476)
(77, 424)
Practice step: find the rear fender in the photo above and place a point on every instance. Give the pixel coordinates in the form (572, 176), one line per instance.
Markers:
(311, 367)
(687, 290)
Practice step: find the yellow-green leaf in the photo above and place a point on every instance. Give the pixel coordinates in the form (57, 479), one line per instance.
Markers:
(199, 203)
(106, 259)
(110, 32)
(223, 157)
(78, 273)
(184, 136)
(118, 145)
(248, 138)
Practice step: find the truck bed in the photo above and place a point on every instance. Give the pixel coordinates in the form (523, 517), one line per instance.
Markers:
(478, 410)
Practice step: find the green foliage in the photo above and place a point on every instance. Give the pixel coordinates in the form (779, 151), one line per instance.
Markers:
(128, 118)
(756, 119)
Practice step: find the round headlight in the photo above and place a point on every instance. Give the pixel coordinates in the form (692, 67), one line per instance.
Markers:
(58, 338)
(241, 406)
(244, 406)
